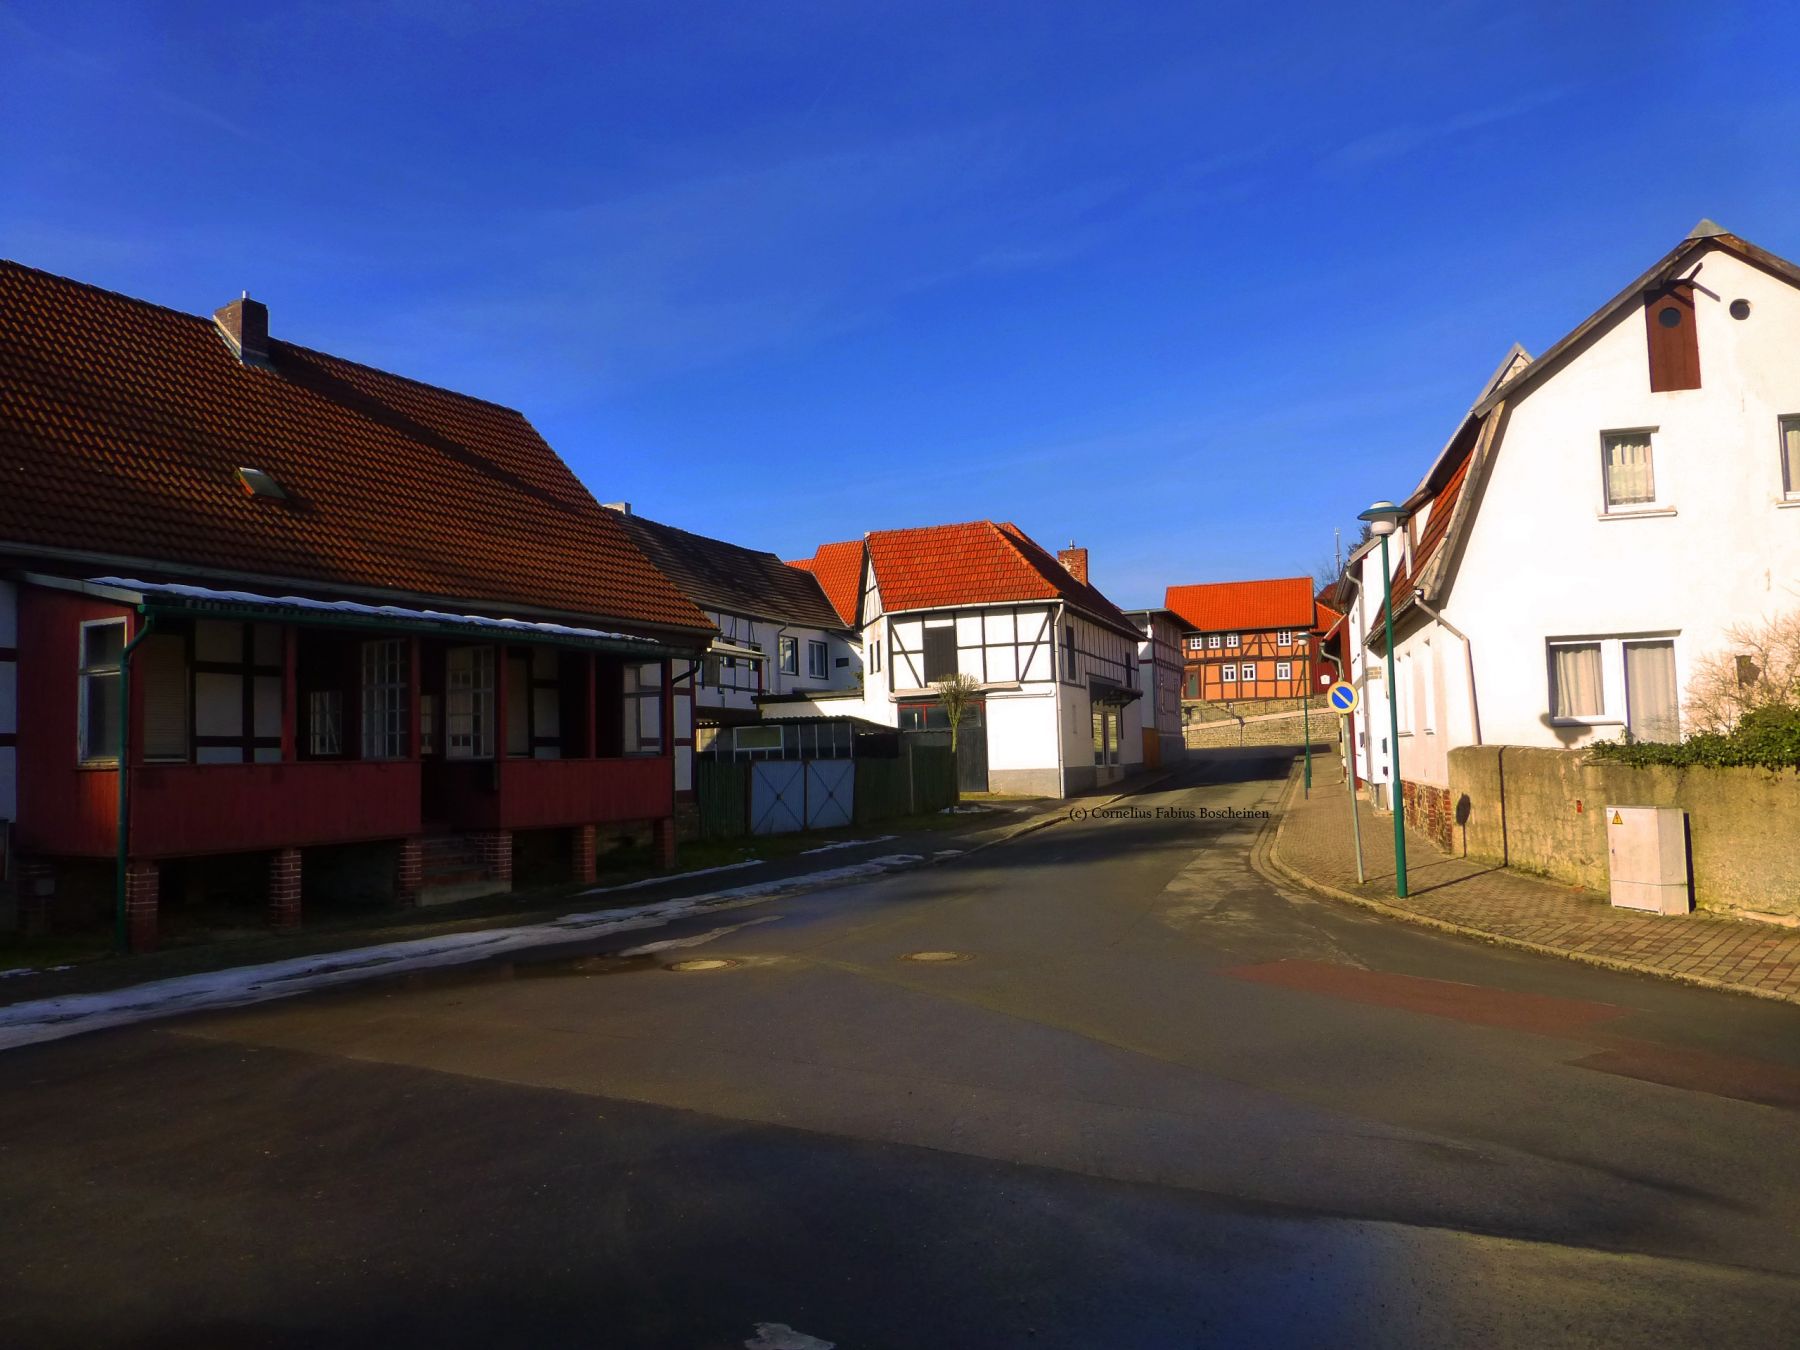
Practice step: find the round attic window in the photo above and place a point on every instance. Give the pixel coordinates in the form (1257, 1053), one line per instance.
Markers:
(1740, 309)
(1669, 317)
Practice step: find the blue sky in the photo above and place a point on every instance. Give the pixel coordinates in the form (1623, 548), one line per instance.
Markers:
(1187, 283)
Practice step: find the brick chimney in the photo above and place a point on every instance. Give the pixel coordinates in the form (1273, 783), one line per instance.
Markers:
(245, 324)
(1074, 562)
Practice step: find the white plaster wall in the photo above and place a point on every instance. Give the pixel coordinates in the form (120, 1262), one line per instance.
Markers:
(1021, 730)
(1542, 562)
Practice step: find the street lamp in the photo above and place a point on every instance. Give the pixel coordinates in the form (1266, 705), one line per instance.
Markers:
(1384, 518)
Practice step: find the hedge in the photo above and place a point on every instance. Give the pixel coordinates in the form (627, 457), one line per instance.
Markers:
(1768, 738)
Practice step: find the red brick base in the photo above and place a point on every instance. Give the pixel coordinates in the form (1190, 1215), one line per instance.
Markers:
(37, 888)
(582, 843)
(495, 849)
(284, 888)
(409, 871)
(664, 837)
(143, 888)
(1429, 811)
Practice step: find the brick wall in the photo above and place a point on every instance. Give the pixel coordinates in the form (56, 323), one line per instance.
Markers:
(409, 871)
(581, 853)
(495, 850)
(143, 888)
(1431, 811)
(284, 888)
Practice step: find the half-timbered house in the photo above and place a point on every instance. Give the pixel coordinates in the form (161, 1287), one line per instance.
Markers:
(1160, 676)
(778, 634)
(1055, 660)
(263, 608)
(1248, 639)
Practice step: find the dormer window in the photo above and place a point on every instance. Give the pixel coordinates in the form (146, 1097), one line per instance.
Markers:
(258, 483)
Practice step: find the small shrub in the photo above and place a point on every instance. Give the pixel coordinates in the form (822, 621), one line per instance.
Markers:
(1767, 737)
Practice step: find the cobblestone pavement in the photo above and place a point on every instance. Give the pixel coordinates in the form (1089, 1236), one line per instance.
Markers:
(1313, 843)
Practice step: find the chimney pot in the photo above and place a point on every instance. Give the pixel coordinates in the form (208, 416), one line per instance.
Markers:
(623, 508)
(1075, 562)
(245, 324)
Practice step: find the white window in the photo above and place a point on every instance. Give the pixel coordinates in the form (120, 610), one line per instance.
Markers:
(1284, 670)
(1249, 670)
(816, 660)
(1630, 476)
(788, 650)
(1212, 642)
(1285, 638)
(643, 709)
(1228, 673)
(385, 685)
(1652, 698)
(1790, 458)
(1577, 682)
(102, 650)
(1231, 639)
(1196, 643)
(325, 722)
(469, 703)
(875, 652)
(1430, 689)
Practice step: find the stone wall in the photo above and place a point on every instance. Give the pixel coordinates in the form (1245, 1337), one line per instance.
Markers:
(1283, 729)
(1544, 811)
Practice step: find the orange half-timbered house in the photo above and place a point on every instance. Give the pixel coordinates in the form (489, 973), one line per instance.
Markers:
(1244, 640)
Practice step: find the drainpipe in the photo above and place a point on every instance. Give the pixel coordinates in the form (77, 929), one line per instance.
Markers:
(123, 829)
(1468, 657)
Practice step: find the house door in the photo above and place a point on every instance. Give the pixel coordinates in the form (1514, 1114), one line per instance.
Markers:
(1106, 745)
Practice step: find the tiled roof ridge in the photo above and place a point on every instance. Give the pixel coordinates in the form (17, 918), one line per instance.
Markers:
(705, 538)
(207, 321)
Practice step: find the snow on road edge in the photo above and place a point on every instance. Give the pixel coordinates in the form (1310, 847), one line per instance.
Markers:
(51, 1019)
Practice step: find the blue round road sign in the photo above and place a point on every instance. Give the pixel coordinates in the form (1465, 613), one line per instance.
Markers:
(1342, 697)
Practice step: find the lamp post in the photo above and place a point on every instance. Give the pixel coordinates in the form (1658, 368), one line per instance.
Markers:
(1384, 518)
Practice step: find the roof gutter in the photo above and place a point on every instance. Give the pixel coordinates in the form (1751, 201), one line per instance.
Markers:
(1468, 657)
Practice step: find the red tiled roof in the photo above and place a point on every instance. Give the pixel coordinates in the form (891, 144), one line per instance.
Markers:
(838, 568)
(1243, 606)
(1443, 506)
(979, 562)
(122, 426)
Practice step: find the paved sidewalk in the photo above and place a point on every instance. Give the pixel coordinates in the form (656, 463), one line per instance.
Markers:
(1313, 845)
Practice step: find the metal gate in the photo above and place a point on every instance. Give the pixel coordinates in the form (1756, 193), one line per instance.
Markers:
(777, 796)
(830, 784)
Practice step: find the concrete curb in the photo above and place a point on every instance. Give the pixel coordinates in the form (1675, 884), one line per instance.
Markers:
(1268, 847)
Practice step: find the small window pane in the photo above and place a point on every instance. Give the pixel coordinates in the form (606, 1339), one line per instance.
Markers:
(1576, 689)
(100, 716)
(1630, 480)
(1790, 456)
(102, 644)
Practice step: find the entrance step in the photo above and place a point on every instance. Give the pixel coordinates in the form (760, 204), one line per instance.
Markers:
(450, 869)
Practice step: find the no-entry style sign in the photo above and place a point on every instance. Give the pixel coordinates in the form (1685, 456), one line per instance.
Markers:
(1342, 696)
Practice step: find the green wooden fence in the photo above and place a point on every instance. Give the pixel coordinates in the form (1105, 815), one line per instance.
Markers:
(723, 790)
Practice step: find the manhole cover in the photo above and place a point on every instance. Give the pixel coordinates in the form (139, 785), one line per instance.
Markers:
(935, 956)
(705, 963)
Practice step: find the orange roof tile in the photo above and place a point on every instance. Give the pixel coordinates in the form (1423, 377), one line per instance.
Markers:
(979, 562)
(1243, 606)
(123, 425)
(838, 568)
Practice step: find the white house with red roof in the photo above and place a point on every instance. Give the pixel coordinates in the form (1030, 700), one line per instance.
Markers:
(1056, 661)
(1598, 520)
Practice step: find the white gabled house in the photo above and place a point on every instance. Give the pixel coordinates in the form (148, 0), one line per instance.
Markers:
(1160, 675)
(778, 633)
(1600, 518)
(1059, 709)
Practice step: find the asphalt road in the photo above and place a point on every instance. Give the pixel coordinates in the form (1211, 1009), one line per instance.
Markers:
(1156, 1101)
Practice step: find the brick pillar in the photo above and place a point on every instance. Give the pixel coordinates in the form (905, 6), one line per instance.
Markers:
(494, 848)
(409, 871)
(664, 835)
(143, 885)
(284, 888)
(37, 888)
(581, 853)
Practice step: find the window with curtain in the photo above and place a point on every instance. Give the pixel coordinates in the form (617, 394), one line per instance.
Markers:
(1790, 457)
(469, 703)
(1630, 478)
(1652, 701)
(1576, 689)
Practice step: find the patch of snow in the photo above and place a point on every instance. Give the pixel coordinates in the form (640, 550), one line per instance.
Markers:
(847, 843)
(948, 853)
(17, 970)
(780, 1336)
(675, 876)
(51, 1019)
(699, 939)
(965, 809)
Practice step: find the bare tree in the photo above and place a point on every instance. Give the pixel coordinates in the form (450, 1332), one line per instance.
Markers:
(956, 694)
(1758, 667)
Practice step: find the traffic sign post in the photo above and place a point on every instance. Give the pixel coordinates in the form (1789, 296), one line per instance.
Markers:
(1343, 697)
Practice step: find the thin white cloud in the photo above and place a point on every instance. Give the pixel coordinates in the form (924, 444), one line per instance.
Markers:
(1397, 142)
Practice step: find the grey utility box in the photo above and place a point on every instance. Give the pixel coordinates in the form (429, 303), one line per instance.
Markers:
(1646, 849)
